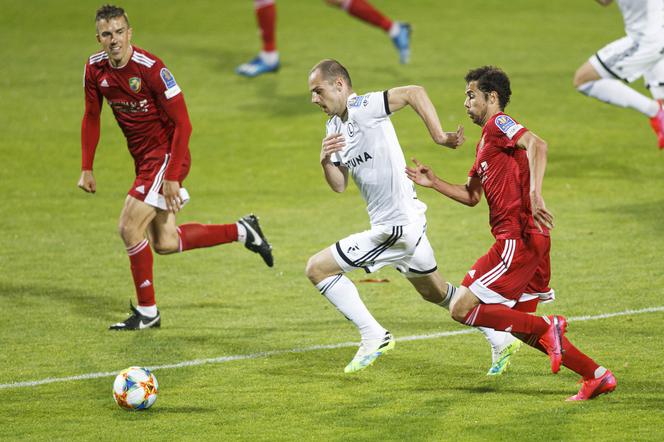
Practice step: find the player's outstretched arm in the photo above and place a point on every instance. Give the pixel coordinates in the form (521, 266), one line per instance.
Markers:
(417, 98)
(87, 181)
(469, 194)
(336, 176)
(537, 158)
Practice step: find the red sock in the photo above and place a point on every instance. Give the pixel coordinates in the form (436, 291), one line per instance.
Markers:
(573, 358)
(140, 257)
(501, 318)
(363, 10)
(195, 236)
(266, 15)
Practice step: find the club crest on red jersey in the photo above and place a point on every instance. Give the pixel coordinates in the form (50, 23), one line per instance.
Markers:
(135, 84)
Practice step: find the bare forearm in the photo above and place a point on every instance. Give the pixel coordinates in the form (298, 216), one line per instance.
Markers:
(335, 177)
(421, 103)
(458, 192)
(537, 159)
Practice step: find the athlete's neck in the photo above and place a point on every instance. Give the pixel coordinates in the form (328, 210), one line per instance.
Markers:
(489, 115)
(123, 62)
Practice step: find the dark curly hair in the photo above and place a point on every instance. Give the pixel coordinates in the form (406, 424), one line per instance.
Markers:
(490, 79)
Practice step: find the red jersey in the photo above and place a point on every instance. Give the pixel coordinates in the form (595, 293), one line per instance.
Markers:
(505, 175)
(139, 94)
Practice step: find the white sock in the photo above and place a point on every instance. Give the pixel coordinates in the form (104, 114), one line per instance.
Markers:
(270, 58)
(497, 339)
(394, 29)
(657, 92)
(147, 310)
(599, 372)
(619, 94)
(343, 294)
(241, 233)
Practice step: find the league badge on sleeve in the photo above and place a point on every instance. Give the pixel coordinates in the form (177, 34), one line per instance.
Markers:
(508, 126)
(172, 88)
(134, 84)
(355, 101)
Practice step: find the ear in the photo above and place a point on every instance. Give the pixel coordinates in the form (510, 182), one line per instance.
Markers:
(494, 97)
(339, 84)
(130, 31)
(98, 39)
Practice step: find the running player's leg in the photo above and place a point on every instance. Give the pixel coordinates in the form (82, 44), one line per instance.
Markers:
(495, 283)
(604, 74)
(421, 271)
(363, 10)
(135, 218)
(267, 59)
(327, 275)
(654, 79)
(168, 238)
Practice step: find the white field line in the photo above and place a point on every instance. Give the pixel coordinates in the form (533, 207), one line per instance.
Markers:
(264, 354)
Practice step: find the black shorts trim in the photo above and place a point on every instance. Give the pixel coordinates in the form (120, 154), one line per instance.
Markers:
(387, 103)
(608, 69)
(344, 257)
(422, 272)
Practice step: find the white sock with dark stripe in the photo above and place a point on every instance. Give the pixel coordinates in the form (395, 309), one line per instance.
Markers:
(343, 294)
(497, 339)
(617, 93)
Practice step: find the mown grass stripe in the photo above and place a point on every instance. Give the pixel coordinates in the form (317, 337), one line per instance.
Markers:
(264, 354)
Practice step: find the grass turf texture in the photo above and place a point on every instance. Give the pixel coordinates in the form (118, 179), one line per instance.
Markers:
(255, 147)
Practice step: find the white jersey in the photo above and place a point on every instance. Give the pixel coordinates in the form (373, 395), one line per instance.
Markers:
(375, 160)
(643, 18)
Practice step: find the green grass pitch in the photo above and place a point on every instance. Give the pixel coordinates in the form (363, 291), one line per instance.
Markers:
(64, 275)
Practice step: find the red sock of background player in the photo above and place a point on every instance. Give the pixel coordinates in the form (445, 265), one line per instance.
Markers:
(501, 318)
(195, 236)
(266, 15)
(573, 358)
(140, 258)
(367, 13)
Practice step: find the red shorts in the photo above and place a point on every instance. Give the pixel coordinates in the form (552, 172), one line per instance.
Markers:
(150, 178)
(513, 270)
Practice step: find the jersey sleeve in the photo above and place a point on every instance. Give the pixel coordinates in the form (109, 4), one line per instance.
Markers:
(162, 81)
(508, 130)
(369, 108)
(90, 126)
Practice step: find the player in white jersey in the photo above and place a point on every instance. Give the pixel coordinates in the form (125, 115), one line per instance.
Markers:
(639, 54)
(361, 141)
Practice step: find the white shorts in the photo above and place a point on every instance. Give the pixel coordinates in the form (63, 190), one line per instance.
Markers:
(406, 248)
(628, 60)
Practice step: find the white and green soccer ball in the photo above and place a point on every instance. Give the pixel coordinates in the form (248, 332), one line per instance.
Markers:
(135, 388)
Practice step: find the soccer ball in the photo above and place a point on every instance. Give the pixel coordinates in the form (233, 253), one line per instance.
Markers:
(135, 388)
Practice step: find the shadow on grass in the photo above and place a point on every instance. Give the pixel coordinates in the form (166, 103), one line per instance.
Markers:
(650, 213)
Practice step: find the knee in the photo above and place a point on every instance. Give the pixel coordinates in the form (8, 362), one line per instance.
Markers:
(578, 79)
(311, 270)
(166, 246)
(583, 77)
(129, 233)
(458, 311)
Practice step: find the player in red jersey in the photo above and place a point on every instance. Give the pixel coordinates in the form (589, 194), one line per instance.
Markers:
(150, 109)
(267, 59)
(502, 287)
